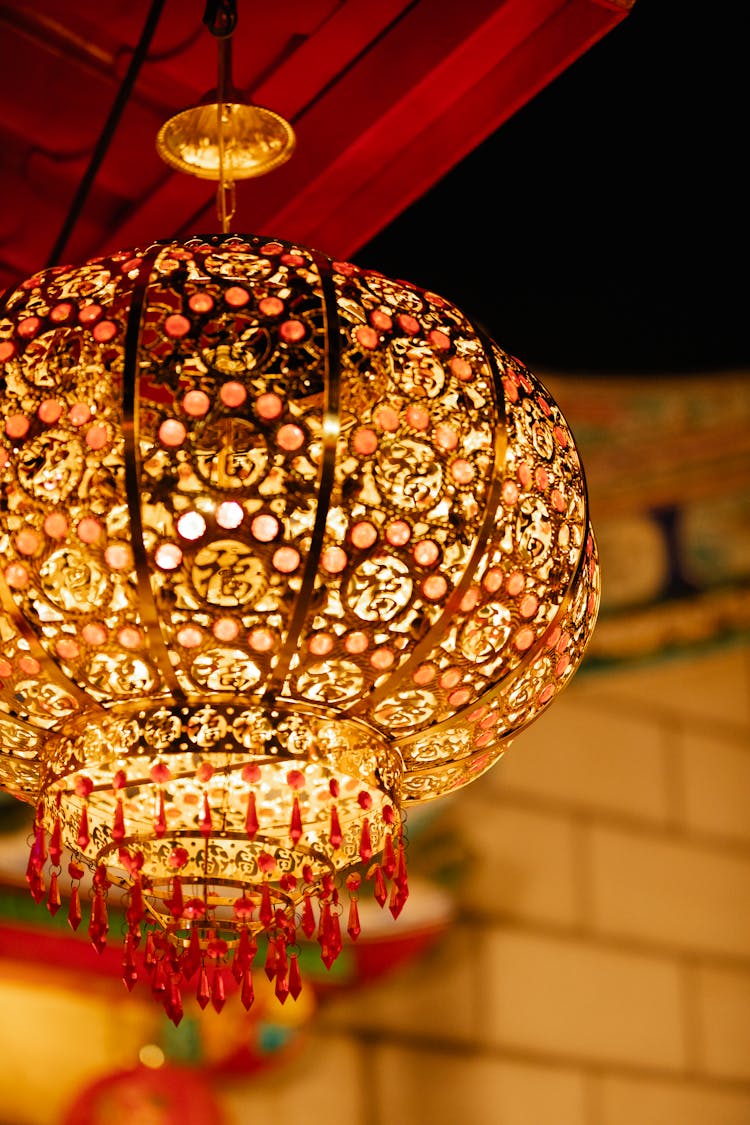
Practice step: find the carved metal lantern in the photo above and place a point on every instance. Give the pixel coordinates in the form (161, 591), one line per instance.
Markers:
(285, 547)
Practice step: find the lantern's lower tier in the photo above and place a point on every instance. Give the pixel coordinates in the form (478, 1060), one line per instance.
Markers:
(217, 834)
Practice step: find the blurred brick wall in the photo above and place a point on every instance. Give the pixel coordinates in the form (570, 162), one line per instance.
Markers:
(599, 972)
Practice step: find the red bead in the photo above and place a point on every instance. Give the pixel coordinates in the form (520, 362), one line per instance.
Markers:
(55, 843)
(365, 843)
(247, 992)
(205, 821)
(74, 909)
(389, 857)
(379, 888)
(335, 836)
(218, 994)
(295, 828)
(203, 991)
(160, 824)
(308, 917)
(53, 898)
(118, 823)
(251, 819)
(353, 928)
(266, 911)
(191, 958)
(176, 903)
(295, 979)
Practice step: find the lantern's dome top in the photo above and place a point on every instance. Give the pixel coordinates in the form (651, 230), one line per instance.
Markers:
(236, 470)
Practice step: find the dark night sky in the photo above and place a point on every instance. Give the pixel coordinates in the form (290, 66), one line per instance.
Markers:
(603, 228)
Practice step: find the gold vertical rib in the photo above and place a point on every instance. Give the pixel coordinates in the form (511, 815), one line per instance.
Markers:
(147, 611)
(326, 476)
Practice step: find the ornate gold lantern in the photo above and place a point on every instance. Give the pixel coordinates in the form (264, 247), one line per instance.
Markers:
(285, 547)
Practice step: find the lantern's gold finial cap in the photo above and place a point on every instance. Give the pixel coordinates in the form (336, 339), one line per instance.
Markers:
(255, 140)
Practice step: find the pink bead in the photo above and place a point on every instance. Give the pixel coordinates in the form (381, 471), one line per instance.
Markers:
(462, 369)
(168, 556)
(105, 331)
(196, 403)
(17, 426)
(363, 535)
(129, 637)
(97, 437)
(229, 515)
(236, 297)
(189, 636)
(333, 560)
(292, 331)
(434, 587)
(225, 629)
(462, 471)
(320, 644)
(356, 642)
(27, 541)
(398, 533)
(172, 432)
(17, 576)
(261, 640)
(201, 302)
(290, 437)
(56, 525)
(93, 633)
(89, 313)
(191, 525)
(418, 418)
(232, 394)
(89, 529)
(367, 337)
(265, 528)
(426, 553)
(387, 418)
(269, 406)
(117, 555)
(286, 560)
(364, 442)
(79, 413)
(50, 410)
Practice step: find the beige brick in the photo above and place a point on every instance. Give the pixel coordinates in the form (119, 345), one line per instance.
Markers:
(573, 1000)
(591, 758)
(518, 864)
(433, 996)
(326, 1073)
(717, 785)
(626, 1102)
(712, 686)
(724, 1022)
(691, 897)
(416, 1087)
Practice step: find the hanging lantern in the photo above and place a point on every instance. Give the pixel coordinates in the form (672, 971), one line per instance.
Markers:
(286, 546)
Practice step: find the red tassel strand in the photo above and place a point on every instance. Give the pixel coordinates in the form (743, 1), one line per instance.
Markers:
(295, 977)
(251, 818)
(247, 992)
(206, 825)
(54, 902)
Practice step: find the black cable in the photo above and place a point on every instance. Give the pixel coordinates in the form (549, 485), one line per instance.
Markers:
(105, 137)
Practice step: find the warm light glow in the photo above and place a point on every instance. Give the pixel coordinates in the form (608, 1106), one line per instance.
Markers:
(151, 1056)
(323, 554)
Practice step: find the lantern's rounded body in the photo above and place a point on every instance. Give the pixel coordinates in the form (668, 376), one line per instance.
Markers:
(273, 526)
